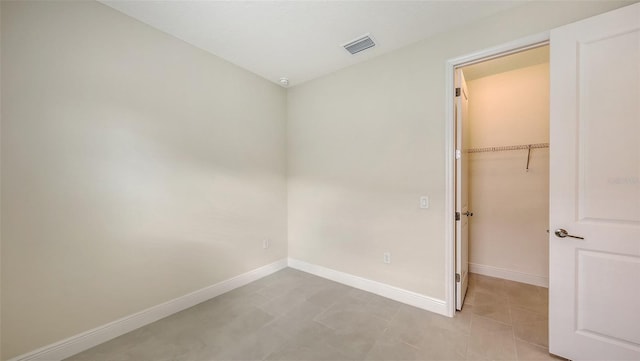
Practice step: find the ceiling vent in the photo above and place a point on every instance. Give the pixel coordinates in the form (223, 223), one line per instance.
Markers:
(362, 43)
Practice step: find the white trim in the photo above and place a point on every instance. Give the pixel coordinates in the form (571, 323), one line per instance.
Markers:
(512, 47)
(507, 274)
(83, 341)
(449, 194)
(449, 143)
(381, 289)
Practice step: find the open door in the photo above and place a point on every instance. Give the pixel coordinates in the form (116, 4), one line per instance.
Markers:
(462, 189)
(594, 249)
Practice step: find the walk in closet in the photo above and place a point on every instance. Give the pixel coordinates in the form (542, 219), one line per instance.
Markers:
(508, 150)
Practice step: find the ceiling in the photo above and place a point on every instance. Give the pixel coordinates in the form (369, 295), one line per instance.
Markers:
(523, 59)
(302, 40)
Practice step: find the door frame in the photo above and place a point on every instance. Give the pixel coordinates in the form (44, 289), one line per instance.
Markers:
(511, 47)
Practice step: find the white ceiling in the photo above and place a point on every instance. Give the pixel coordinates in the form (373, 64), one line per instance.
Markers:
(301, 40)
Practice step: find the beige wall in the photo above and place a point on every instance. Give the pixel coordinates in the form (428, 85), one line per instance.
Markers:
(135, 169)
(510, 205)
(367, 141)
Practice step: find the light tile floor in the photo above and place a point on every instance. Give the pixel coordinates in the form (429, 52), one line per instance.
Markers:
(292, 315)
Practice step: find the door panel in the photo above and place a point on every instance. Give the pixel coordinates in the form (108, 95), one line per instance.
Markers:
(595, 293)
(607, 192)
(594, 283)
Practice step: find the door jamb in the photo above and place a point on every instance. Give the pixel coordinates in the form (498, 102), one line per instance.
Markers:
(515, 46)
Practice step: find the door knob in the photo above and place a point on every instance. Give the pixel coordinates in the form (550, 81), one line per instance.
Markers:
(468, 214)
(563, 233)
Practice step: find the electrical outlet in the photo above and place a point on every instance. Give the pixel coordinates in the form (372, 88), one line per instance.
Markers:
(265, 243)
(386, 257)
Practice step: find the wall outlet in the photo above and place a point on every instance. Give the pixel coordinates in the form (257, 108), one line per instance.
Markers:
(265, 243)
(424, 202)
(386, 257)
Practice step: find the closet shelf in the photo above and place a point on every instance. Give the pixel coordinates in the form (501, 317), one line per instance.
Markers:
(528, 147)
(508, 147)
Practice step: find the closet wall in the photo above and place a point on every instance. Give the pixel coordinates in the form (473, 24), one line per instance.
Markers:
(508, 237)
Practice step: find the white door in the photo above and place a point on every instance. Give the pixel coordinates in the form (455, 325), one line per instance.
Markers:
(462, 189)
(594, 283)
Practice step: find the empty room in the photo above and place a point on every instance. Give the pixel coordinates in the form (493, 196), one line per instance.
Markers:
(319, 180)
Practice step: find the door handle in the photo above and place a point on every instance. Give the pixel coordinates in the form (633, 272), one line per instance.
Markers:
(563, 233)
(468, 214)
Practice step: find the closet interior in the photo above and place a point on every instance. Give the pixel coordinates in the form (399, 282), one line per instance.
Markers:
(508, 150)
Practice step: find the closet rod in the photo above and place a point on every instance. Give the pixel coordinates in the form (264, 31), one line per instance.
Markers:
(508, 147)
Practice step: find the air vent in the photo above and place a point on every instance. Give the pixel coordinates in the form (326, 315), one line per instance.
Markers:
(362, 43)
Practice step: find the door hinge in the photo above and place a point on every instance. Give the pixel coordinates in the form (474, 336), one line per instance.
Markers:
(458, 277)
(457, 92)
(458, 154)
(457, 216)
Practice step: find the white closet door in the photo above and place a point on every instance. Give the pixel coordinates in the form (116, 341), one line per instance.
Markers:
(462, 189)
(595, 188)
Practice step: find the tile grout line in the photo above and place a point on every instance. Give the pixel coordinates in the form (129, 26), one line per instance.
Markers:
(466, 351)
(513, 329)
(513, 332)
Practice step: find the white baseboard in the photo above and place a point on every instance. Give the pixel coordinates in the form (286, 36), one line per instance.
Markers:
(509, 275)
(382, 289)
(78, 343)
